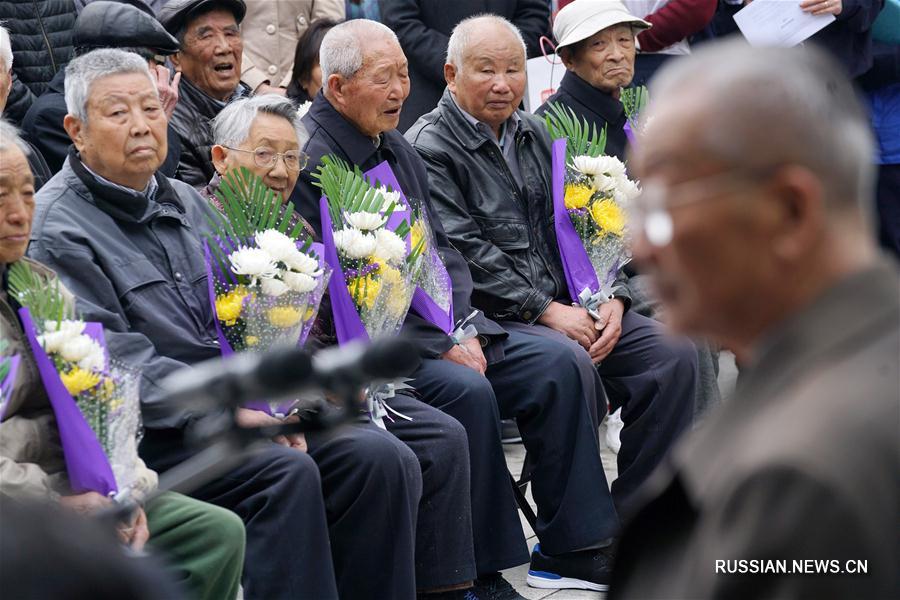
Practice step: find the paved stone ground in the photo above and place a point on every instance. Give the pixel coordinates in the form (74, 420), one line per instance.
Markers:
(515, 454)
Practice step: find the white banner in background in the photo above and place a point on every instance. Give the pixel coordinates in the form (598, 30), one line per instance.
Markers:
(544, 74)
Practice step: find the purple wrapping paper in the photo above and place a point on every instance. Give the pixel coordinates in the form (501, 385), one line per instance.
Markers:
(629, 133)
(6, 386)
(212, 273)
(422, 303)
(347, 324)
(577, 265)
(88, 467)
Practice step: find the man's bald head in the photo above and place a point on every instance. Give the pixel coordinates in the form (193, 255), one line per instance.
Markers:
(756, 108)
(470, 33)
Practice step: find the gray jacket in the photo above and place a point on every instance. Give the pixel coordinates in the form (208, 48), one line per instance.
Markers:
(137, 266)
(801, 465)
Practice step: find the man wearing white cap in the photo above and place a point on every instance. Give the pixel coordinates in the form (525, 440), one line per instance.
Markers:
(596, 41)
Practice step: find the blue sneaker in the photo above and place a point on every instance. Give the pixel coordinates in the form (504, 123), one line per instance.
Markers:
(582, 570)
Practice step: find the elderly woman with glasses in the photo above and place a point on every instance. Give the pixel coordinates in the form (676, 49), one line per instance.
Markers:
(263, 134)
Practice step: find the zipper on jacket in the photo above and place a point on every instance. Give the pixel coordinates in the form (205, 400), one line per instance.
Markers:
(40, 21)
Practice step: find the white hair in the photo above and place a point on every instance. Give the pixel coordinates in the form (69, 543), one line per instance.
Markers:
(6, 53)
(84, 70)
(231, 127)
(459, 39)
(9, 136)
(341, 51)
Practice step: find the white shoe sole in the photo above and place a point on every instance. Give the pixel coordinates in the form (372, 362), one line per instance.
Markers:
(562, 583)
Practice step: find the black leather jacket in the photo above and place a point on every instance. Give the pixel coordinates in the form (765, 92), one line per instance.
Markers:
(506, 233)
(192, 122)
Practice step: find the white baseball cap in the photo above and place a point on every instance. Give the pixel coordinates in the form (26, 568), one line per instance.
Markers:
(581, 19)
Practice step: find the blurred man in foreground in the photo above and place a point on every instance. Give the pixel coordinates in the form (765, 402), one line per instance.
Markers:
(753, 222)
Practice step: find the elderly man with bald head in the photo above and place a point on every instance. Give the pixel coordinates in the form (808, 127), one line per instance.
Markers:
(801, 465)
(551, 391)
(489, 176)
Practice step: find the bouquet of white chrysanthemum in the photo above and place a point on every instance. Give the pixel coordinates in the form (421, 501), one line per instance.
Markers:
(9, 366)
(266, 283)
(590, 195)
(95, 398)
(369, 248)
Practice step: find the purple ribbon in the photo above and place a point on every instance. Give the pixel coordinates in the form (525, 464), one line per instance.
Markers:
(86, 463)
(213, 273)
(577, 265)
(422, 303)
(8, 383)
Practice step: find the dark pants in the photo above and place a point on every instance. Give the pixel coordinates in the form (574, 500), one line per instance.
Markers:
(371, 483)
(278, 493)
(443, 553)
(652, 377)
(553, 394)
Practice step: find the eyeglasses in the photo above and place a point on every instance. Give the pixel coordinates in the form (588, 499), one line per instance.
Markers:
(265, 158)
(651, 213)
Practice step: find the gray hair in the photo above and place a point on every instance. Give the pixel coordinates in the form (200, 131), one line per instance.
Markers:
(805, 112)
(459, 39)
(9, 136)
(83, 71)
(231, 127)
(341, 51)
(6, 53)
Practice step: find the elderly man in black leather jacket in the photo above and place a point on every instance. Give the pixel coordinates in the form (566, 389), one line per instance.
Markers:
(210, 64)
(489, 175)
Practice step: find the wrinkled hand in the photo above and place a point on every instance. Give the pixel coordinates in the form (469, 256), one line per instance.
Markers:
(168, 91)
(247, 417)
(573, 321)
(610, 326)
(136, 534)
(86, 503)
(265, 88)
(822, 7)
(466, 355)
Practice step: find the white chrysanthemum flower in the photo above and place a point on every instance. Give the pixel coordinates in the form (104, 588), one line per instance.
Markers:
(604, 183)
(626, 190)
(365, 221)
(600, 165)
(354, 243)
(302, 262)
(95, 360)
(389, 198)
(59, 333)
(300, 282)
(273, 287)
(389, 245)
(76, 348)
(303, 109)
(278, 245)
(253, 262)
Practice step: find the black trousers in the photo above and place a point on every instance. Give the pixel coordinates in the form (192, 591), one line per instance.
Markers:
(444, 554)
(553, 393)
(362, 511)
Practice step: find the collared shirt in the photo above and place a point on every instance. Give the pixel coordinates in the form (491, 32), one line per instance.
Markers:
(148, 192)
(507, 141)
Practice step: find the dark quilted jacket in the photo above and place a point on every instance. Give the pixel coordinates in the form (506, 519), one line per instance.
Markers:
(41, 36)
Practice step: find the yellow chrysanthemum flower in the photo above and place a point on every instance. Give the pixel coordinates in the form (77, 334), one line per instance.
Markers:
(251, 340)
(392, 278)
(229, 306)
(609, 217)
(577, 196)
(365, 290)
(417, 234)
(284, 316)
(79, 380)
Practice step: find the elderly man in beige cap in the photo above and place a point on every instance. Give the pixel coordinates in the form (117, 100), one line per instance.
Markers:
(596, 41)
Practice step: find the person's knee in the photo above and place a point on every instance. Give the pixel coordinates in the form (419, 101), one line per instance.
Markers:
(289, 468)
(373, 454)
(225, 530)
(451, 447)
